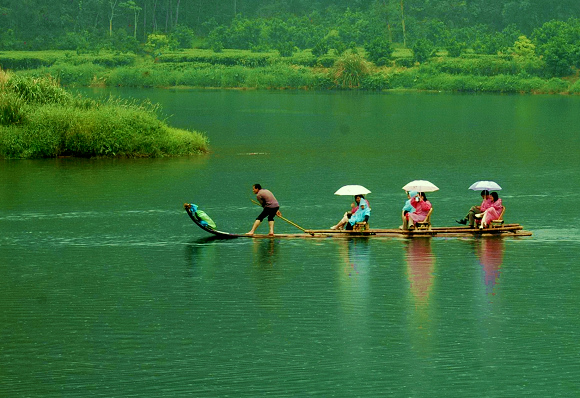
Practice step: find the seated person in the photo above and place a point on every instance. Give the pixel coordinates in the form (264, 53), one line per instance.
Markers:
(348, 215)
(422, 207)
(471, 215)
(362, 214)
(491, 213)
(407, 208)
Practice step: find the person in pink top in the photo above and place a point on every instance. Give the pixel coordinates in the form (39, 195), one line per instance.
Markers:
(470, 217)
(422, 207)
(491, 212)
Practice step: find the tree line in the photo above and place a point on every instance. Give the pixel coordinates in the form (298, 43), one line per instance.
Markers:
(528, 28)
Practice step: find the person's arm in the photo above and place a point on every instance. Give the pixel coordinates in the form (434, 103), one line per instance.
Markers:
(261, 199)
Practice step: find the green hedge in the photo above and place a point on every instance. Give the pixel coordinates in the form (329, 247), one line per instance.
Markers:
(25, 60)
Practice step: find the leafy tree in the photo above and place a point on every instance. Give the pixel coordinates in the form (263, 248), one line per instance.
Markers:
(423, 49)
(217, 38)
(379, 51)
(524, 48)
(183, 36)
(558, 43)
(285, 49)
(321, 48)
(157, 44)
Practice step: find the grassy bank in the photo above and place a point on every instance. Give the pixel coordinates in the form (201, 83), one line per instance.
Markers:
(268, 70)
(40, 119)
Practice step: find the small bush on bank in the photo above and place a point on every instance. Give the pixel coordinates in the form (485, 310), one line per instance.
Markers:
(575, 88)
(70, 75)
(554, 85)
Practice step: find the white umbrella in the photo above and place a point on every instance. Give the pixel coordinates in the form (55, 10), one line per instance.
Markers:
(485, 186)
(420, 186)
(351, 190)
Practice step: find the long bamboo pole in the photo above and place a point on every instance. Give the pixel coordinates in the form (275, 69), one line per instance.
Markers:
(288, 221)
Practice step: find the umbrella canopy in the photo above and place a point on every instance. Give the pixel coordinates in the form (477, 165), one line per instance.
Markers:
(351, 190)
(485, 186)
(420, 186)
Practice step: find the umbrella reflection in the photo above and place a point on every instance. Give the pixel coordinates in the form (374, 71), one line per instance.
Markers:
(420, 267)
(490, 254)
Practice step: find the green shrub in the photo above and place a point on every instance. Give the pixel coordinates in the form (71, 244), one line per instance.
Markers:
(404, 79)
(555, 85)
(350, 70)
(575, 88)
(69, 74)
(404, 62)
(38, 90)
(423, 49)
(379, 51)
(375, 81)
(12, 108)
(326, 61)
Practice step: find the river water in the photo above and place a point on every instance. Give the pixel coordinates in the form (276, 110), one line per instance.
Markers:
(108, 289)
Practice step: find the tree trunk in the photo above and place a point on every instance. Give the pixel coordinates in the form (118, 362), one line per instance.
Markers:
(177, 12)
(145, 20)
(135, 27)
(403, 24)
(154, 16)
(113, 6)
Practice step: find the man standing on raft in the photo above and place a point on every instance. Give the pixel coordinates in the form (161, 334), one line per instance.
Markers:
(270, 205)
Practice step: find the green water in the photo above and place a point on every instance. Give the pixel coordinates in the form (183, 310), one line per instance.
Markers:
(108, 289)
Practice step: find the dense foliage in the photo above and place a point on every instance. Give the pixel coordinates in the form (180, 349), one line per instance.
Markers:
(40, 119)
(123, 24)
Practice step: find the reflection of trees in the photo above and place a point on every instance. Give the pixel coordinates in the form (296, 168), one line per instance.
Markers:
(420, 266)
(490, 254)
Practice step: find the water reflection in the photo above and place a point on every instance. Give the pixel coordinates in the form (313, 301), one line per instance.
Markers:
(354, 254)
(490, 254)
(355, 303)
(266, 252)
(420, 267)
(420, 272)
(353, 280)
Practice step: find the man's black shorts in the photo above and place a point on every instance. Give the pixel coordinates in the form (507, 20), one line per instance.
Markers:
(269, 212)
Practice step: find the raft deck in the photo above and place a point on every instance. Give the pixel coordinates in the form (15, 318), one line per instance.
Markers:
(507, 230)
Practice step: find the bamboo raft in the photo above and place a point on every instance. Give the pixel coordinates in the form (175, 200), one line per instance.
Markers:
(505, 230)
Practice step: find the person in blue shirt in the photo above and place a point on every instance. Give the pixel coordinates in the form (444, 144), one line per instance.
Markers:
(362, 214)
(407, 208)
(345, 220)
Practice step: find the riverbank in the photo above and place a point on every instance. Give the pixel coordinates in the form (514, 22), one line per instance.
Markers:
(40, 119)
(268, 70)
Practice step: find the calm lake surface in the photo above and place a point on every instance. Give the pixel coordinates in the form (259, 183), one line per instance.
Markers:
(108, 289)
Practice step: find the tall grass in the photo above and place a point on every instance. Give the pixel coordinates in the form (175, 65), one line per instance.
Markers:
(350, 70)
(39, 119)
